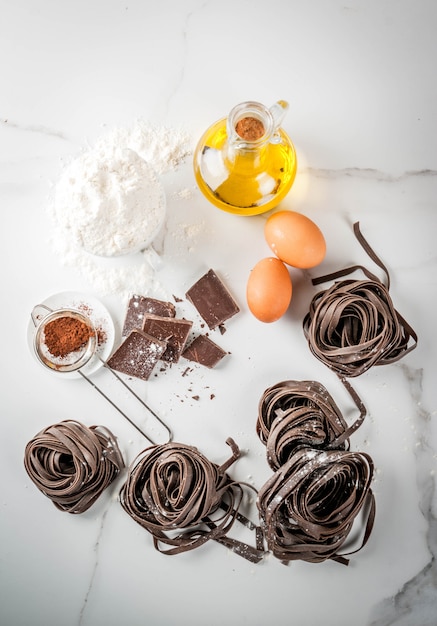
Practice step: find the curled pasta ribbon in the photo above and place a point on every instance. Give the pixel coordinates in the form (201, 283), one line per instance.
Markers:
(184, 500)
(354, 325)
(294, 414)
(308, 506)
(73, 464)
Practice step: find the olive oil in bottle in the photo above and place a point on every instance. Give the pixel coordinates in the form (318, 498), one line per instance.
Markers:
(246, 164)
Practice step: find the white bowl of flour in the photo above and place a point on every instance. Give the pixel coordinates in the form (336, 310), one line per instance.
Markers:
(109, 202)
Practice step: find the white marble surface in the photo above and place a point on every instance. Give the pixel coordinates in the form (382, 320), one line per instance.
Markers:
(360, 79)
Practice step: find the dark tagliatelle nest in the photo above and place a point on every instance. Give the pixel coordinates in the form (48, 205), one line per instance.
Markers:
(184, 500)
(294, 414)
(72, 464)
(354, 325)
(308, 506)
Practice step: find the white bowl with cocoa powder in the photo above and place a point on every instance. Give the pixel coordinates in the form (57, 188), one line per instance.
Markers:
(65, 340)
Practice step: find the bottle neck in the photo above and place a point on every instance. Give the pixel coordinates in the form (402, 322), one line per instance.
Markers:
(250, 126)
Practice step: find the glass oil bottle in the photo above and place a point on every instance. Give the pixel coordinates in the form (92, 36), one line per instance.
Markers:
(246, 164)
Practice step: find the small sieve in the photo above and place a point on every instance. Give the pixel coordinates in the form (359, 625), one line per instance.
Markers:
(72, 361)
(75, 361)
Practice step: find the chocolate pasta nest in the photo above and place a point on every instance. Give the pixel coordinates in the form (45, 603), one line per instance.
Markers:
(308, 506)
(183, 500)
(72, 464)
(294, 414)
(354, 325)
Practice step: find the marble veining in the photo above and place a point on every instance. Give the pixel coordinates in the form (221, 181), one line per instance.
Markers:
(416, 601)
(368, 173)
(34, 128)
(96, 551)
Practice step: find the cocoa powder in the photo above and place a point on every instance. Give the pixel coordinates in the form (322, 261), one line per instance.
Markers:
(250, 128)
(65, 335)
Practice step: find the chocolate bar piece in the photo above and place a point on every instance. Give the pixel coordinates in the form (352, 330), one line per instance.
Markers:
(137, 355)
(212, 300)
(139, 306)
(204, 351)
(171, 330)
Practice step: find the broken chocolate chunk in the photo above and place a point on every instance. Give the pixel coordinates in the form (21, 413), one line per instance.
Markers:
(204, 351)
(212, 300)
(171, 330)
(137, 355)
(139, 306)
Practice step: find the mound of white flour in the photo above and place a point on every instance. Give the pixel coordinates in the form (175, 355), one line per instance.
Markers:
(109, 201)
(94, 207)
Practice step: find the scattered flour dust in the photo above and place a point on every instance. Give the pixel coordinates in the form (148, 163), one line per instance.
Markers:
(122, 275)
(163, 147)
(185, 194)
(108, 202)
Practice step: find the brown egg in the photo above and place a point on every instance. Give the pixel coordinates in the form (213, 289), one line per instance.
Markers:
(269, 290)
(295, 239)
